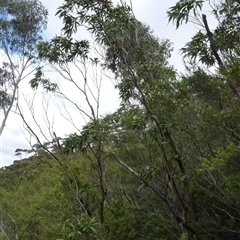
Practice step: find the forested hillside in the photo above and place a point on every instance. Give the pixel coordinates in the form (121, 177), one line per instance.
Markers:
(166, 164)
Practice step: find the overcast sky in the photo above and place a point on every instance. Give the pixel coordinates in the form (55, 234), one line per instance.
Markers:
(151, 12)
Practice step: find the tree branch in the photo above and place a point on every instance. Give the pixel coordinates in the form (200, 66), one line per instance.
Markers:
(211, 40)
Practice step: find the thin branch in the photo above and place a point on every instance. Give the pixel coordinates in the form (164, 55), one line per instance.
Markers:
(138, 175)
(31, 109)
(37, 138)
(69, 117)
(61, 94)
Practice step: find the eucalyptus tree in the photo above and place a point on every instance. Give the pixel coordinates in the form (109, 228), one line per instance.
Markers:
(145, 79)
(21, 25)
(79, 89)
(147, 82)
(215, 44)
(209, 46)
(168, 134)
(211, 107)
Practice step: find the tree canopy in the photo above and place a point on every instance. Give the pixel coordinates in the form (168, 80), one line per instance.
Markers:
(21, 25)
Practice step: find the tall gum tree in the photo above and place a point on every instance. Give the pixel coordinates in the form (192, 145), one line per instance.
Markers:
(180, 164)
(213, 46)
(21, 25)
(79, 89)
(140, 64)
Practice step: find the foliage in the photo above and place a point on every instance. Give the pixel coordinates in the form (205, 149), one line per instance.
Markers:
(39, 78)
(21, 25)
(162, 166)
(182, 10)
(207, 46)
(5, 76)
(84, 229)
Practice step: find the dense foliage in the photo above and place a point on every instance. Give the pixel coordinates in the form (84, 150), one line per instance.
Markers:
(162, 166)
